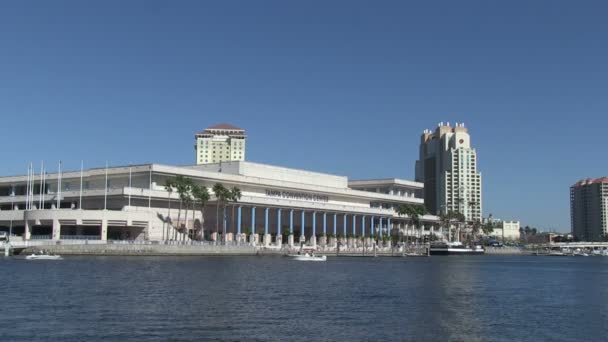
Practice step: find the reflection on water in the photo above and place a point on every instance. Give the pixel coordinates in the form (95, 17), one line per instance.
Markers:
(275, 299)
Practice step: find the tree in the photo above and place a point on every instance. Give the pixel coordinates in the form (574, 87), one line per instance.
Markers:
(169, 188)
(183, 186)
(413, 211)
(235, 196)
(222, 194)
(201, 195)
(488, 228)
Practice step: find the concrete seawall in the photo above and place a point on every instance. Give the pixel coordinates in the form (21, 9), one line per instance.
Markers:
(144, 250)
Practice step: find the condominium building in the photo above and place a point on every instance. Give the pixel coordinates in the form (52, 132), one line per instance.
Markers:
(220, 143)
(448, 168)
(589, 209)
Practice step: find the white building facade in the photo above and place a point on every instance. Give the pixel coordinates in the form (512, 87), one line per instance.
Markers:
(220, 143)
(447, 167)
(131, 202)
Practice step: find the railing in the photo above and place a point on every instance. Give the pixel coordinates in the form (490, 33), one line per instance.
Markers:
(40, 237)
(80, 237)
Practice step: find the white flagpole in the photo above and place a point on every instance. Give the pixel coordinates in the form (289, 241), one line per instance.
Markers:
(130, 189)
(43, 186)
(81, 170)
(150, 190)
(27, 189)
(59, 186)
(105, 190)
(41, 182)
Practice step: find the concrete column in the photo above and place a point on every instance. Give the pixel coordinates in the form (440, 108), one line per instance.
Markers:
(372, 225)
(265, 221)
(291, 221)
(344, 226)
(104, 230)
(335, 225)
(380, 227)
(388, 227)
(28, 230)
(253, 221)
(279, 232)
(314, 223)
(354, 225)
(56, 234)
(303, 232)
(324, 224)
(239, 220)
(363, 226)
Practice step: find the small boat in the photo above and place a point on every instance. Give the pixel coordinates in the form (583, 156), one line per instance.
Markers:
(454, 248)
(42, 256)
(307, 257)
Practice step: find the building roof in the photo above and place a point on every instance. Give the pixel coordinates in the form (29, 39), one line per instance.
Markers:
(226, 127)
(385, 182)
(591, 181)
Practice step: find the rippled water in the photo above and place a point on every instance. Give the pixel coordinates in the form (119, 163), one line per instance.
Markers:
(490, 298)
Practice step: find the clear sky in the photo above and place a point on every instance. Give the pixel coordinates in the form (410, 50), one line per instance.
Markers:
(343, 87)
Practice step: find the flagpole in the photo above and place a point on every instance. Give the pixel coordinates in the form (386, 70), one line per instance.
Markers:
(27, 189)
(43, 186)
(130, 189)
(59, 186)
(81, 169)
(105, 190)
(150, 190)
(41, 182)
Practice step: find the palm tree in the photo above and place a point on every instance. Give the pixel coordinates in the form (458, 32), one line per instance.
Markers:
(169, 188)
(235, 196)
(222, 194)
(201, 195)
(413, 211)
(183, 186)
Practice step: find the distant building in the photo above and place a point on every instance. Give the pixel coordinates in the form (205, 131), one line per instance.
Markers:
(589, 209)
(220, 143)
(505, 230)
(448, 168)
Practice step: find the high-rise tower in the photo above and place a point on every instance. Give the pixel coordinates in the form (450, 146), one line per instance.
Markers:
(220, 143)
(589, 209)
(448, 168)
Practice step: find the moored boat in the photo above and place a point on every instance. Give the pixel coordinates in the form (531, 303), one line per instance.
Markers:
(454, 248)
(43, 256)
(308, 257)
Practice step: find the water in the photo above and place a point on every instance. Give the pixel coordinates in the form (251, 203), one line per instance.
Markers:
(489, 298)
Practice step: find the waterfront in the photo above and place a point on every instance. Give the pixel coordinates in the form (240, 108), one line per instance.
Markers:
(489, 298)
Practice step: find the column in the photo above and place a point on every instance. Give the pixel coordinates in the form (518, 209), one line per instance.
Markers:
(314, 223)
(324, 224)
(239, 220)
(104, 230)
(335, 225)
(279, 232)
(354, 225)
(253, 220)
(380, 227)
(388, 227)
(28, 231)
(303, 232)
(344, 226)
(363, 226)
(372, 225)
(56, 233)
(291, 221)
(266, 221)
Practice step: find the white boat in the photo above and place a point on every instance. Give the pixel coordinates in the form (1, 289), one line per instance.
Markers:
(43, 257)
(308, 257)
(454, 248)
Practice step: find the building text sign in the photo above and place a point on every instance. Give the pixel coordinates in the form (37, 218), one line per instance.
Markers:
(297, 195)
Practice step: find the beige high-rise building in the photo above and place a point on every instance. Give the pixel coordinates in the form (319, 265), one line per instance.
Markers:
(448, 168)
(589, 209)
(220, 143)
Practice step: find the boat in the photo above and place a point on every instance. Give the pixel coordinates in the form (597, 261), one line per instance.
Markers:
(454, 248)
(43, 256)
(308, 257)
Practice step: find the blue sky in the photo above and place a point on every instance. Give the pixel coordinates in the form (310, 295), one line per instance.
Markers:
(342, 87)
